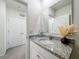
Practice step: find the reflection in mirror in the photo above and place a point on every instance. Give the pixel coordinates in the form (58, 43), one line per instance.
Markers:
(60, 15)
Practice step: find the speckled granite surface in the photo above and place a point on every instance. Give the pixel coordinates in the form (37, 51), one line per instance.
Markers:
(55, 47)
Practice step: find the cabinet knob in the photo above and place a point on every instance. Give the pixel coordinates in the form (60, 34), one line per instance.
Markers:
(38, 57)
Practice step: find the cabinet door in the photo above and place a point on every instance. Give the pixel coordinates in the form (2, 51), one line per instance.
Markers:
(36, 55)
(42, 53)
(33, 54)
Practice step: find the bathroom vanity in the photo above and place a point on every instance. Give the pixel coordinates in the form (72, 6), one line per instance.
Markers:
(58, 14)
(43, 48)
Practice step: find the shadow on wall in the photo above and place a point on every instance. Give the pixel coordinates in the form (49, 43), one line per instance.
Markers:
(75, 53)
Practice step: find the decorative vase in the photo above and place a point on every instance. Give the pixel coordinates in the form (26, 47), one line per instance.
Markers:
(65, 40)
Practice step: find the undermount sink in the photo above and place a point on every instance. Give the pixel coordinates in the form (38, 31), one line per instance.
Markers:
(47, 42)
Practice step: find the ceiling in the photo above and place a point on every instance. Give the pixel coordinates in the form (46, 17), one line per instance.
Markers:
(61, 4)
(48, 3)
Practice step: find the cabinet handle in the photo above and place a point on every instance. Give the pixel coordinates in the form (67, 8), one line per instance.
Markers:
(38, 56)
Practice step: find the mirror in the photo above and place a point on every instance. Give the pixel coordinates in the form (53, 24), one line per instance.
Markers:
(60, 15)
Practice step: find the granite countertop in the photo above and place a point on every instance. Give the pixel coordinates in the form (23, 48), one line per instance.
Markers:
(55, 47)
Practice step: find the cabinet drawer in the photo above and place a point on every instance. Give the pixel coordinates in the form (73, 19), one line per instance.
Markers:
(36, 55)
(44, 52)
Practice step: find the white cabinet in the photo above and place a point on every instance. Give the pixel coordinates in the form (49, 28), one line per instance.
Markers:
(36, 55)
(36, 52)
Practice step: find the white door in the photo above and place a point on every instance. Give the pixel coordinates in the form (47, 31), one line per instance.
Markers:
(16, 32)
(16, 26)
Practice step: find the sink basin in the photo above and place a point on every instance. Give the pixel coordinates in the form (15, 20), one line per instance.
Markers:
(47, 42)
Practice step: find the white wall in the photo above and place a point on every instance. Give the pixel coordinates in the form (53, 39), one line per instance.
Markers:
(35, 17)
(2, 27)
(34, 10)
(49, 11)
(75, 54)
(26, 1)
